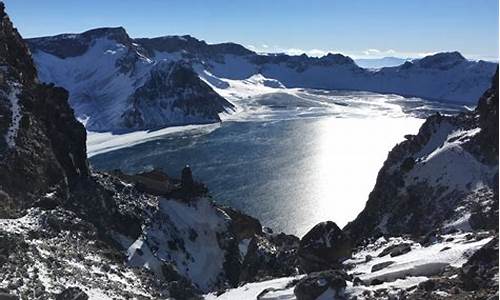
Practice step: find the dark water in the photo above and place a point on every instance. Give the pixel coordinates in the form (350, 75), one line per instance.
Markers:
(290, 173)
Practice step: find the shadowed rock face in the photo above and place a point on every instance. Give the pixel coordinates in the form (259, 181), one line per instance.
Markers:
(409, 198)
(172, 94)
(324, 247)
(42, 146)
(487, 109)
(315, 284)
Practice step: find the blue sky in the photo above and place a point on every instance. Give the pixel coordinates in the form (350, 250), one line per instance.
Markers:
(369, 28)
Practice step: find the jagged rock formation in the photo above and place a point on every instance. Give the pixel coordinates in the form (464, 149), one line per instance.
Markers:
(119, 83)
(445, 178)
(324, 247)
(42, 146)
(172, 95)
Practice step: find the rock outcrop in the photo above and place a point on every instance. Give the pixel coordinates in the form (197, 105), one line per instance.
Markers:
(315, 284)
(172, 95)
(324, 247)
(42, 146)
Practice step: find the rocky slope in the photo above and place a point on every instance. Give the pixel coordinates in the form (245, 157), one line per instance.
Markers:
(68, 232)
(443, 179)
(42, 146)
(108, 73)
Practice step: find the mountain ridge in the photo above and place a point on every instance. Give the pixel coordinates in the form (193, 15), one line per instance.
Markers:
(77, 62)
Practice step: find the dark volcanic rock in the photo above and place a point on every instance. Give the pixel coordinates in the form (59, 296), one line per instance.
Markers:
(480, 270)
(47, 144)
(270, 256)
(243, 226)
(315, 284)
(381, 266)
(173, 90)
(72, 293)
(325, 246)
(396, 250)
(5, 296)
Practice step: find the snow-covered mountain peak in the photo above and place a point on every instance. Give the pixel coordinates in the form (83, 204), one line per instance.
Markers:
(337, 58)
(192, 46)
(72, 45)
(443, 60)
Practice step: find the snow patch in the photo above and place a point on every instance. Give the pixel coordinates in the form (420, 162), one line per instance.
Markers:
(16, 114)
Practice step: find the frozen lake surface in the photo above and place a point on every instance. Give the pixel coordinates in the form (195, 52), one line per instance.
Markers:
(291, 159)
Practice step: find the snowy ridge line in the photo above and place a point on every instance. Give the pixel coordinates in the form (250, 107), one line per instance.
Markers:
(103, 69)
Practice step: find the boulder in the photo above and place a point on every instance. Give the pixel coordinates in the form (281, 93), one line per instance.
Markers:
(6, 296)
(243, 226)
(382, 265)
(315, 284)
(396, 250)
(324, 247)
(270, 256)
(72, 293)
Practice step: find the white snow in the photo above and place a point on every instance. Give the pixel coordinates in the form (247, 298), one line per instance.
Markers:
(464, 82)
(196, 225)
(243, 246)
(101, 142)
(16, 114)
(408, 271)
(444, 162)
(250, 291)
(99, 91)
(420, 261)
(19, 225)
(84, 271)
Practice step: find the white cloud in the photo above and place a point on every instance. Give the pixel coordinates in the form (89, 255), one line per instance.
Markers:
(293, 51)
(422, 54)
(317, 52)
(371, 52)
(355, 54)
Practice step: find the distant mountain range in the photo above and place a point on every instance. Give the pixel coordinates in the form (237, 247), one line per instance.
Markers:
(119, 83)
